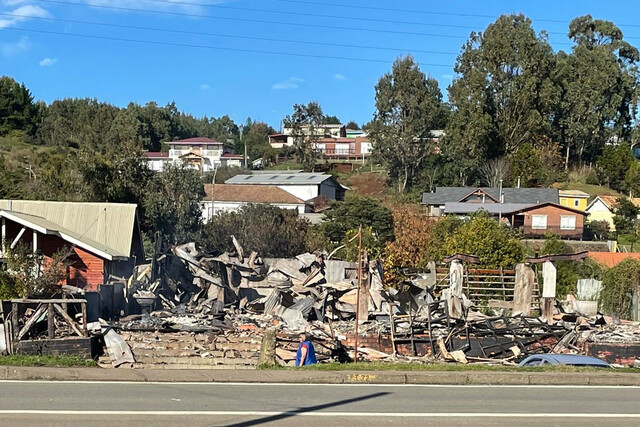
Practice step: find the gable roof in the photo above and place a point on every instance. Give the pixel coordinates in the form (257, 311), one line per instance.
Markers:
(302, 178)
(574, 193)
(443, 195)
(611, 201)
(106, 229)
(195, 141)
(555, 205)
(250, 194)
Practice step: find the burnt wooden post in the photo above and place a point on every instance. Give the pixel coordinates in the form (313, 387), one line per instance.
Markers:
(14, 320)
(51, 321)
(85, 330)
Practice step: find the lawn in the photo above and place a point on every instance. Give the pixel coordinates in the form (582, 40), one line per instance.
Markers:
(53, 361)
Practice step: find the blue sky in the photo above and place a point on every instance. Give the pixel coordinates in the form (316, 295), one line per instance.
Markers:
(57, 49)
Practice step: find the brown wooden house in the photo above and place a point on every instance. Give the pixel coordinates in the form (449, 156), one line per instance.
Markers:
(540, 219)
(105, 237)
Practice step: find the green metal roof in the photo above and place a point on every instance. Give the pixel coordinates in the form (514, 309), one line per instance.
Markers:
(103, 228)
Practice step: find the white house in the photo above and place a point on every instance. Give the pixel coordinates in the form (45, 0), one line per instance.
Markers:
(202, 154)
(230, 197)
(286, 138)
(303, 185)
(602, 208)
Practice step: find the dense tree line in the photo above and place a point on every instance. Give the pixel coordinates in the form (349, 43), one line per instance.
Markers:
(515, 100)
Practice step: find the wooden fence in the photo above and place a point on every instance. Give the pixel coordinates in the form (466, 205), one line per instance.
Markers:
(484, 285)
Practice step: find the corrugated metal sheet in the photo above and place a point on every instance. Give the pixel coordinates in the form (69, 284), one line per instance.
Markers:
(109, 226)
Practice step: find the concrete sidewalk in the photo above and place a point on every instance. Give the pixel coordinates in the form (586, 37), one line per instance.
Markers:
(320, 377)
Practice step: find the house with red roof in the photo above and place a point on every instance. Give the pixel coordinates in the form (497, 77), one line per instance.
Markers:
(201, 154)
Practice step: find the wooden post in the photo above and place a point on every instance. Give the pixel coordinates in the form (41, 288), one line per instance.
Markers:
(549, 275)
(85, 330)
(14, 320)
(355, 350)
(51, 321)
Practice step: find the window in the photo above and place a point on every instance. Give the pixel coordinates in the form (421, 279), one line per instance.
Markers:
(539, 222)
(576, 203)
(567, 222)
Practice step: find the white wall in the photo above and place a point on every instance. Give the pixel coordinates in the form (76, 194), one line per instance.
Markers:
(234, 206)
(303, 192)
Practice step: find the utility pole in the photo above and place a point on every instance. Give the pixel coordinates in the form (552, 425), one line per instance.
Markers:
(355, 352)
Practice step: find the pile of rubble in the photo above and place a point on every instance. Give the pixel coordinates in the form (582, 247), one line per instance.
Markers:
(186, 293)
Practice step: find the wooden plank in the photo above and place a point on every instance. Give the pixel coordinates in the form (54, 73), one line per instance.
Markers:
(14, 321)
(41, 308)
(69, 320)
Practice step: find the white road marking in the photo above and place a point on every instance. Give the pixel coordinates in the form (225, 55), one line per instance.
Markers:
(321, 414)
(222, 383)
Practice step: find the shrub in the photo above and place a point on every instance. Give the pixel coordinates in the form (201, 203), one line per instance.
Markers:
(268, 230)
(618, 286)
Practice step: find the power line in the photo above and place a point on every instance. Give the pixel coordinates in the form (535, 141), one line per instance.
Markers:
(166, 30)
(228, 49)
(293, 13)
(295, 24)
(425, 12)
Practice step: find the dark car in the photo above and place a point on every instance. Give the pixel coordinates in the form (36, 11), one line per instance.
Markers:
(562, 359)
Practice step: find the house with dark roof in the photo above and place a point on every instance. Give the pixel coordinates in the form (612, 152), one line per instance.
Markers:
(465, 200)
(533, 211)
(230, 197)
(201, 154)
(303, 185)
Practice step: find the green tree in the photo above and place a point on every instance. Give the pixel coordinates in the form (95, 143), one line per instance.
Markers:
(408, 106)
(526, 165)
(598, 82)
(632, 179)
(306, 128)
(495, 244)
(256, 138)
(17, 109)
(355, 212)
(118, 174)
(614, 163)
(9, 182)
(503, 95)
(352, 125)
(626, 214)
(172, 204)
(268, 230)
(331, 120)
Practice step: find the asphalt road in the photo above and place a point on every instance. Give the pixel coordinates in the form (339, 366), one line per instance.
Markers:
(27, 403)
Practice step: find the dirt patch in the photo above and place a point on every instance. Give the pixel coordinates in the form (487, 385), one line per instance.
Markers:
(371, 184)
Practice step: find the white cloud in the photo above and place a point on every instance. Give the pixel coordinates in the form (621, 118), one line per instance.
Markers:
(339, 76)
(25, 12)
(205, 87)
(47, 62)
(290, 83)
(13, 48)
(142, 4)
